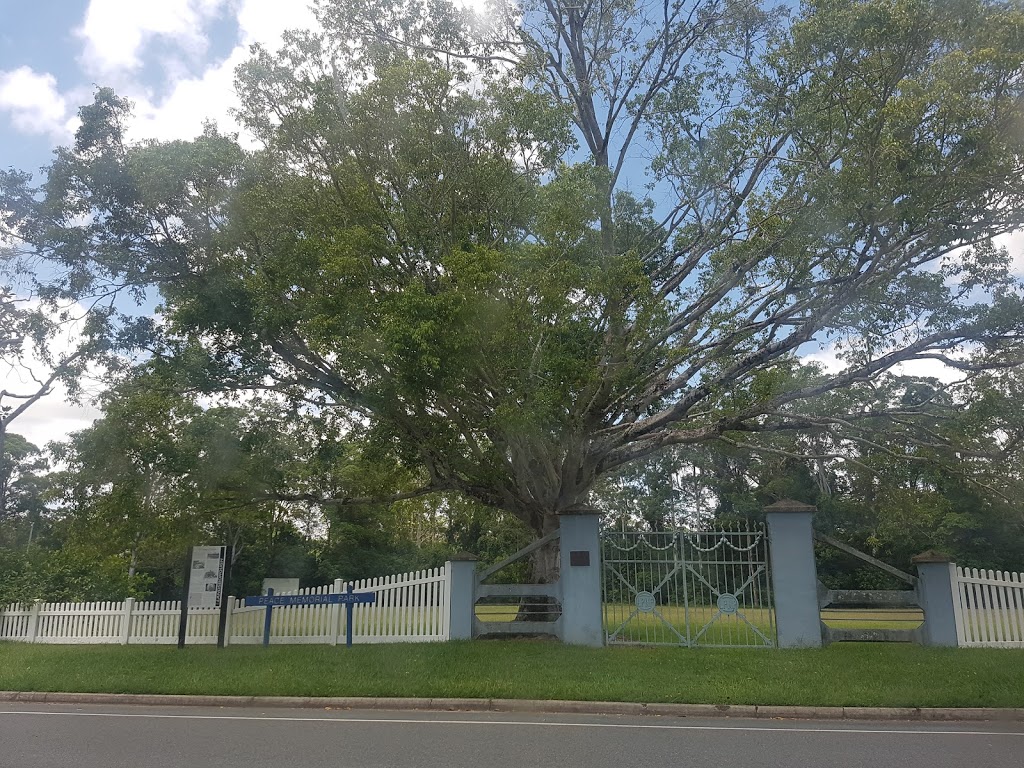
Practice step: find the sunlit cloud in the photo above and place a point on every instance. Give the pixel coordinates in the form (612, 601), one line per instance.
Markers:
(192, 100)
(1014, 245)
(34, 104)
(116, 32)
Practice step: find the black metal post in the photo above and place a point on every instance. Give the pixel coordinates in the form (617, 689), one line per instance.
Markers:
(348, 618)
(183, 622)
(266, 620)
(224, 594)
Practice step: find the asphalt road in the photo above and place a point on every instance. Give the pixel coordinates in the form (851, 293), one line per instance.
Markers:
(65, 736)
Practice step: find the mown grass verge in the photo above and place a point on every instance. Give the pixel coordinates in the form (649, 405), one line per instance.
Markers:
(841, 675)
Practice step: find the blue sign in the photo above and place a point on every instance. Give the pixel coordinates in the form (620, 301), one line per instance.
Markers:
(349, 599)
(354, 597)
(333, 599)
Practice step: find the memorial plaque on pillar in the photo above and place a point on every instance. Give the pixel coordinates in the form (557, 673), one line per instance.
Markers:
(579, 557)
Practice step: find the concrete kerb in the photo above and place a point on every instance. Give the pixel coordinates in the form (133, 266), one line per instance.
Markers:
(539, 706)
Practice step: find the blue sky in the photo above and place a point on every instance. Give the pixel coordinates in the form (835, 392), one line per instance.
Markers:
(173, 58)
(36, 37)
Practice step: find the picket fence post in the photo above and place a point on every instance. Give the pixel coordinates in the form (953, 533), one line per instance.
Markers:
(126, 620)
(33, 620)
(958, 605)
(227, 619)
(335, 615)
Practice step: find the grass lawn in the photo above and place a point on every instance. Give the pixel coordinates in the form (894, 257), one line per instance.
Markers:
(840, 675)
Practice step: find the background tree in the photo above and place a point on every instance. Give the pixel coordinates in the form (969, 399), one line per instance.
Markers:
(23, 483)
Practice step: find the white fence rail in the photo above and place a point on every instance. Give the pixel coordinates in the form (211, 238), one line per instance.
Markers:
(409, 608)
(989, 608)
(106, 622)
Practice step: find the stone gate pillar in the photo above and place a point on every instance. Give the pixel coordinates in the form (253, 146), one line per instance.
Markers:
(580, 578)
(794, 576)
(461, 587)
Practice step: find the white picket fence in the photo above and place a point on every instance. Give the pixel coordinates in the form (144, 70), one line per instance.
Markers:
(989, 608)
(409, 608)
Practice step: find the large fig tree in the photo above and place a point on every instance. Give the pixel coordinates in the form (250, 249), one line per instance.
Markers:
(526, 247)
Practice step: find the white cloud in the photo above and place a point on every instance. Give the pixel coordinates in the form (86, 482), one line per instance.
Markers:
(35, 104)
(826, 358)
(211, 95)
(263, 21)
(1014, 244)
(191, 101)
(115, 31)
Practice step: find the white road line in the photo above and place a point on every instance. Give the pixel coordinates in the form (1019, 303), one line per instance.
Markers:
(411, 721)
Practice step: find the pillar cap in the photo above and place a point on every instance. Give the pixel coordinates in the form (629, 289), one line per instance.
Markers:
(790, 505)
(579, 511)
(931, 556)
(463, 556)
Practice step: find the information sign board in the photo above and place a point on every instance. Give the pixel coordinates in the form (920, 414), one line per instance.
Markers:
(206, 577)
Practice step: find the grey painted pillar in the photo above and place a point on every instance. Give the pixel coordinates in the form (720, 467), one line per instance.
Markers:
(580, 578)
(461, 578)
(794, 576)
(936, 594)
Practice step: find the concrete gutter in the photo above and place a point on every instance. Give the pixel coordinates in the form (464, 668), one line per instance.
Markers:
(533, 706)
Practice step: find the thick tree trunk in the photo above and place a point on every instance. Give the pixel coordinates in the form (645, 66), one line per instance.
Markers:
(544, 563)
(544, 569)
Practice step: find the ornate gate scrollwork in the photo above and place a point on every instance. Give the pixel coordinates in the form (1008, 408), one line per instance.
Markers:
(706, 588)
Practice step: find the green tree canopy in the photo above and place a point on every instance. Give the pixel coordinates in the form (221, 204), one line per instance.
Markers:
(434, 239)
